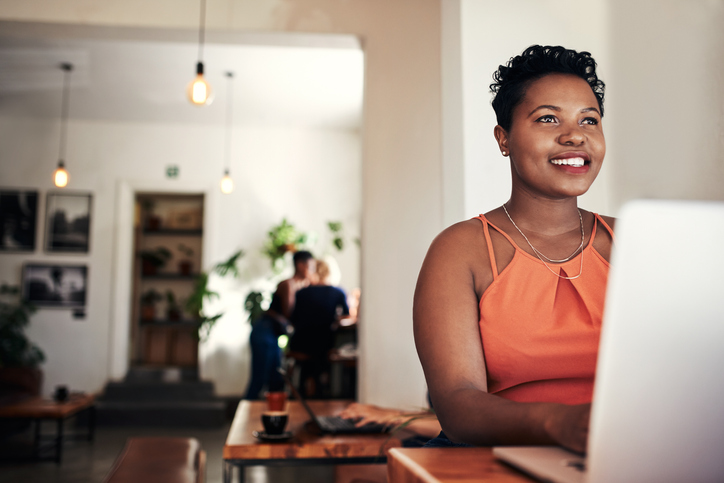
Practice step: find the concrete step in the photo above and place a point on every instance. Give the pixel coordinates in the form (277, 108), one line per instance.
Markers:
(153, 391)
(162, 374)
(191, 414)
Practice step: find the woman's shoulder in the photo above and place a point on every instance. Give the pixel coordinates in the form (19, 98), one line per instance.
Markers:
(463, 230)
(603, 243)
(610, 221)
(460, 249)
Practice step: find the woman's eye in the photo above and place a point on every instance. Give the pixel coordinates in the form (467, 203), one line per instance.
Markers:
(547, 118)
(590, 120)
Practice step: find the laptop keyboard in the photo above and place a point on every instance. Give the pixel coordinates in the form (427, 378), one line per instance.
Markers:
(337, 425)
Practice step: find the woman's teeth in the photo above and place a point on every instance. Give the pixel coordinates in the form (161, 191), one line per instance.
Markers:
(576, 162)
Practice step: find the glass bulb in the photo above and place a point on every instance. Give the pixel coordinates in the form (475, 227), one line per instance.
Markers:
(227, 184)
(199, 91)
(60, 177)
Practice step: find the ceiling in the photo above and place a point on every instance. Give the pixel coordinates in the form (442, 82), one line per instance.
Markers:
(142, 77)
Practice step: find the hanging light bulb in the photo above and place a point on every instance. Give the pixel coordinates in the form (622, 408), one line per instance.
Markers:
(227, 184)
(60, 175)
(198, 90)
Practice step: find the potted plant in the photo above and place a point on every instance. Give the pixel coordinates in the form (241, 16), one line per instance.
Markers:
(337, 231)
(148, 304)
(185, 265)
(153, 260)
(282, 238)
(20, 375)
(173, 309)
(151, 220)
(201, 294)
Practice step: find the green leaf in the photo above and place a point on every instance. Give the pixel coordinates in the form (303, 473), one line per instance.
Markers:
(223, 268)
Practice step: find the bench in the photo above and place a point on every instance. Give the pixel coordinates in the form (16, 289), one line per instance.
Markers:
(159, 460)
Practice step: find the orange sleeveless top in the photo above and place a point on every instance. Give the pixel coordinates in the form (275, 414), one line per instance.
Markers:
(540, 332)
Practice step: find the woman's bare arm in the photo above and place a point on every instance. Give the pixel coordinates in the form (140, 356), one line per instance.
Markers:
(448, 341)
(423, 423)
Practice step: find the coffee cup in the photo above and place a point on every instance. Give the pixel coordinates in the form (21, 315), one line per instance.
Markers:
(274, 421)
(61, 394)
(276, 401)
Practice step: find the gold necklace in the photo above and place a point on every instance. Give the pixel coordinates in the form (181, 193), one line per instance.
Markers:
(541, 256)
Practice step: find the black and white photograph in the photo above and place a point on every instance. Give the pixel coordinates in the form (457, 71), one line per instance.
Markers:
(68, 222)
(18, 219)
(55, 285)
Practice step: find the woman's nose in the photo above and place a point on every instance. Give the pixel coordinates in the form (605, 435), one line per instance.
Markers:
(572, 136)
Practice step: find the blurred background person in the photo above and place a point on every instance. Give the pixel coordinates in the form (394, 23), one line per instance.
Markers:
(318, 309)
(266, 355)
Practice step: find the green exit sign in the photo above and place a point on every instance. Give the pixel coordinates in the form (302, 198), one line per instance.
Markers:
(172, 171)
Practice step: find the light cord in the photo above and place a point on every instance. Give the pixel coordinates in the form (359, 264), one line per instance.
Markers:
(67, 68)
(229, 114)
(202, 29)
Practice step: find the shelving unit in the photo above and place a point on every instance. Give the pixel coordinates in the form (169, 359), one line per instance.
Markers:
(169, 237)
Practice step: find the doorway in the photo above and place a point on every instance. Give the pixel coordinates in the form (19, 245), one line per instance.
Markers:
(168, 242)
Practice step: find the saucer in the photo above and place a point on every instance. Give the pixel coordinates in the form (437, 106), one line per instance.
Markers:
(262, 435)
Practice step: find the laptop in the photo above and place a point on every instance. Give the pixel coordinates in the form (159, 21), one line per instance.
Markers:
(333, 424)
(658, 401)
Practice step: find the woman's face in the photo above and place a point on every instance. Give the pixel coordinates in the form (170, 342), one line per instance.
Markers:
(555, 141)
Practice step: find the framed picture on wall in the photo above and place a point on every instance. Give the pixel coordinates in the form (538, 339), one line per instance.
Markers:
(67, 225)
(18, 219)
(51, 285)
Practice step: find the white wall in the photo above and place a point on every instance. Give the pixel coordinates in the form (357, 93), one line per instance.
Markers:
(401, 145)
(309, 176)
(493, 32)
(663, 63)
(668, 71)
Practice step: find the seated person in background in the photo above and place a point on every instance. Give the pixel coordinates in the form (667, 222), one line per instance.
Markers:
(317, 310)
(508, 305)
(266, 356)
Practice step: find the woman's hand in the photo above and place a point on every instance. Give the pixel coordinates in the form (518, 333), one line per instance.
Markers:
(367, 413)
(568, 425)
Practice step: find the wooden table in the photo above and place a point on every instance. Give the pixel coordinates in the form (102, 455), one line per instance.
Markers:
(306, 447)
(448, 465)
(38, 409)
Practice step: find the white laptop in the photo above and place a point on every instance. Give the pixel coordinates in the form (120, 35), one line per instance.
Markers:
(658, 403)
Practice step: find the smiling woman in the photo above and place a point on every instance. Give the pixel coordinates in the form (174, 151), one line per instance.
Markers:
(507, 328)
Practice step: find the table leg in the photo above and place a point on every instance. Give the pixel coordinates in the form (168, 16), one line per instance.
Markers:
(91, 422)
(59, 442)
(36, 440)
(228, 475)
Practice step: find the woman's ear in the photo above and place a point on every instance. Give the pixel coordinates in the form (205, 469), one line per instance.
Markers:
(502, 137)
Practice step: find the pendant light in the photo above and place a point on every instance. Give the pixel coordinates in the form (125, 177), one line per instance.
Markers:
(198, 90)
(60, 175)
(227, 184)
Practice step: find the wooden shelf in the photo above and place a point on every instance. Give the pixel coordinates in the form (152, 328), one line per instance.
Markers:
(170, 276)
(173, 232)
(169, 323)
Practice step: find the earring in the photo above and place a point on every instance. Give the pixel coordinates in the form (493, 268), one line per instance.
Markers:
(504, 153)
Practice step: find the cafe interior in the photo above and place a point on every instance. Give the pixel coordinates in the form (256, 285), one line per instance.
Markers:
(357, 129)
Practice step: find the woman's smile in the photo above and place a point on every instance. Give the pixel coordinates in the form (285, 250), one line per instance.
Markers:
(573, 162)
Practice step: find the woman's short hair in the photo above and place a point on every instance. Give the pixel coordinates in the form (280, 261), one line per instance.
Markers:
(513, 79)
(323, 272)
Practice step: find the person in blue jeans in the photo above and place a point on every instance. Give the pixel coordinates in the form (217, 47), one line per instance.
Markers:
(266, 356)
